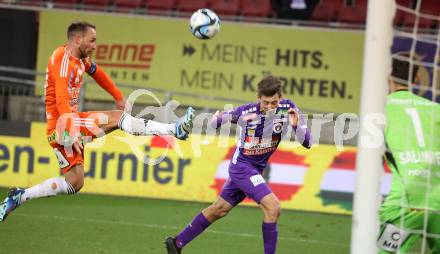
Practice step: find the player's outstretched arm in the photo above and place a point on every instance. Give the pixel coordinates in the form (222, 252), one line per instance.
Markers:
(216, 119)
(104, 81)
(221, 117)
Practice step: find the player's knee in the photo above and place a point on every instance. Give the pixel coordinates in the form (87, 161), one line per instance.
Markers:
(77, 183)
(274, 211)
(78, 186)
(117, 113)
(219, 211)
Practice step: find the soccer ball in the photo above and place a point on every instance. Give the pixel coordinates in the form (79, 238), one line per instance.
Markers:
(204, 24)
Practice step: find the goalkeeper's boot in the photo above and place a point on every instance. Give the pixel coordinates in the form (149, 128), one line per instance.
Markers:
(184, 124)
(11, 202)
(172, 248)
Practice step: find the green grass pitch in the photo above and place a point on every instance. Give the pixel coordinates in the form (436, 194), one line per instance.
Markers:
(107, 224)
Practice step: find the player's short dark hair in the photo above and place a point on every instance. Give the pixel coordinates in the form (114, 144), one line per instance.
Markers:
(269, 86)
(402, 67)
(78, 27)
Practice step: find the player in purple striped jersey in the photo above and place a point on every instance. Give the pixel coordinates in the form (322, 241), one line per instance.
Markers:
(262, 126)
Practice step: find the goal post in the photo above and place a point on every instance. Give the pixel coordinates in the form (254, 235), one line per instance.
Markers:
(369, 164)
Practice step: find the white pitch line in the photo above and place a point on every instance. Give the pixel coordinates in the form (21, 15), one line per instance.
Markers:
(126, 223)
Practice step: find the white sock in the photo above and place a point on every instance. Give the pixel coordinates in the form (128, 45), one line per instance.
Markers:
(140, 127)
(156, 128)
(50, 187)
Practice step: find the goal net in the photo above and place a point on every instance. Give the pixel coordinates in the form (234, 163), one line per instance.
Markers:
(414, 226)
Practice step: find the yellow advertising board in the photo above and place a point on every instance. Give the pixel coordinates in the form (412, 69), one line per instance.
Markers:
(320, 69)
(320, 179)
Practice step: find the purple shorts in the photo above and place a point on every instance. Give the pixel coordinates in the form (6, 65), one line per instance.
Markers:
(242, 182)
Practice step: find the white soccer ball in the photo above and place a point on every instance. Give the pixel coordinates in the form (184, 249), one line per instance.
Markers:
(204, 24)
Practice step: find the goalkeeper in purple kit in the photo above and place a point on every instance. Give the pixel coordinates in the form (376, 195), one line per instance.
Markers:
(262, 126)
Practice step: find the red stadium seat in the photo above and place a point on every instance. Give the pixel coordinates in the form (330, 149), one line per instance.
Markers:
(338, 4)
(353, 14)
(31, 2)
(404, 3)
(324, 13)
(127, 5)
(64, 3)
(409, 20)
(327, 10)
(256, 8)
(225, 7)
(191, 5)
(162, 5)
(361, 3)
(430, 7)
(96, 2)
(95, 5)
(399, 18)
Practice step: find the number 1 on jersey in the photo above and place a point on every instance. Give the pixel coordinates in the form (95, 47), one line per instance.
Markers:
(414, 114)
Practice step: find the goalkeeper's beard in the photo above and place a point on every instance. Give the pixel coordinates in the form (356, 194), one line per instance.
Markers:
(83, 54)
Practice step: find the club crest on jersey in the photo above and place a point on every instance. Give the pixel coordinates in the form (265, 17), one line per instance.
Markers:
(277, 127)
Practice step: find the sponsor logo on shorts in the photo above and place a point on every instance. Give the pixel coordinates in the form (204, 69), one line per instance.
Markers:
(62, 161)
(391, 238)
(257, 179)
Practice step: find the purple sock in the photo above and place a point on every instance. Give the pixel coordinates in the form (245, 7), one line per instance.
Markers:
(195, 228)
(270, 237)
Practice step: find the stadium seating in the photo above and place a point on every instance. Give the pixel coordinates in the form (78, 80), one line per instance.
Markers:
(64, 3)
(430, 7)
(361, 3)
(399, 18)
(346, 11)
(409, 20)
(95, 5)
(161, 5)
(127, 5)
(327, 10)
(405, 3)
(191, 5)
(256, 8)
(33, 3)
(225, 7)
(324, 13)
(353, 14)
